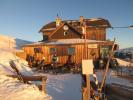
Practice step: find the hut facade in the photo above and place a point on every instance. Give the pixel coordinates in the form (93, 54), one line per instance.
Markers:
(65, 38)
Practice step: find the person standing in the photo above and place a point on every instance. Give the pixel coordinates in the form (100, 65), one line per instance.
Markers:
(54, 63)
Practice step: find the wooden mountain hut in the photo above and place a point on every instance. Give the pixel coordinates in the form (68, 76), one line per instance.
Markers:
(65, 38)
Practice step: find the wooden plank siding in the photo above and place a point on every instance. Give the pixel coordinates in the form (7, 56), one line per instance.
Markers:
(100, 34)
(59, 34)
(62, 52)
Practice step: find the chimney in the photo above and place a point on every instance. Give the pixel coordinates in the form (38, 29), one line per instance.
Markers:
(81, 20)
(58, 21)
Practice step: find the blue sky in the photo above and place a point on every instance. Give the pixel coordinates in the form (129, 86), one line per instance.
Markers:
(23, 18)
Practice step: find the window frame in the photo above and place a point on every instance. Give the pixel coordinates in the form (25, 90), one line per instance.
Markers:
(72, 51)
(52, 51)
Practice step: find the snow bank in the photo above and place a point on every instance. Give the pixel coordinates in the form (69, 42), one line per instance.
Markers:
(123, 63)
(22, 65)
(13, 89)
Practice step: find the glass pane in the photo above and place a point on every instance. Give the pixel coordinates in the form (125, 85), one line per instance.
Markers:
(38, 50)
(52, 50)
(71, 51)
(104, 51)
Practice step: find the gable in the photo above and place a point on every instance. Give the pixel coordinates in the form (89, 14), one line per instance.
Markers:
(63, 33)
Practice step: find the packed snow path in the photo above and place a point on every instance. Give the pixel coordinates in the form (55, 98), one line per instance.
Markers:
(68, 86)
(64, 86)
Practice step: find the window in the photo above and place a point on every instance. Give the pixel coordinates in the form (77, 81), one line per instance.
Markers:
(104, 51)
(45, 37)
(71, 51)
(52, 50)
(65, 33)
(38, 50)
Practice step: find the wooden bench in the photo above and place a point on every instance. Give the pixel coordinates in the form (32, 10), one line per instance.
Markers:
(26, 79)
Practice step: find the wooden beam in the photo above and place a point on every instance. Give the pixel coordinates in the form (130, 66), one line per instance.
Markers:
(30, 78)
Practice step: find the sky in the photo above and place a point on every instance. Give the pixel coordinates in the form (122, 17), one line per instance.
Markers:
(24, 18)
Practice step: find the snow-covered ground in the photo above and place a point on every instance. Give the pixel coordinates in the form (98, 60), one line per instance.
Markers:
(13, 89)
(68, 86)
(60, 87)
(124, 63)
(64, 86)
(112, 78)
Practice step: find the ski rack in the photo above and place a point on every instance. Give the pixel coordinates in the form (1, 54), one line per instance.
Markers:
(106, 70)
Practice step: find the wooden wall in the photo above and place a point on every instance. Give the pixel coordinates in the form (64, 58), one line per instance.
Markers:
(21, 54)
(70, 34)
(92, 34)
(62, 52)
(96, 34)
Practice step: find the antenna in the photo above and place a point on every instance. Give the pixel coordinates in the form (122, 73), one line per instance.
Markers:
(57, 15)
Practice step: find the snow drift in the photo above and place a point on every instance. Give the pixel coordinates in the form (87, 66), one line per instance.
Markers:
(5, 68)
(13, 89)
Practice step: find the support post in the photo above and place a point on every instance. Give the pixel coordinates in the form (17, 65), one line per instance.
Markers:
(88, 86)
(86, 89)
(43, 84)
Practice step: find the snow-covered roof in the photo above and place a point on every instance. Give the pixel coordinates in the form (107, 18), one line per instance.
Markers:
(72, 41)
(92, 22)
(65, 42)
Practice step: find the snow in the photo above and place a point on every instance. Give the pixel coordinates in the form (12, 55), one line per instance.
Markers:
(64, 86)
(65, 41)
(94, 19)
(68, 86)
(112, 78)
(22, 65)
(13, 89)
(20, 43)
(60, 87)
(123, 63)
(7, 42)
(10, 42)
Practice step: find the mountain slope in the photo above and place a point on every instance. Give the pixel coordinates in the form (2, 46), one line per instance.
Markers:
(7, 42)
(130, 49)
(20, 43)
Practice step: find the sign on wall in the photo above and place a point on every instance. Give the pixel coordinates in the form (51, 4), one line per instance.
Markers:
(92, 45)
